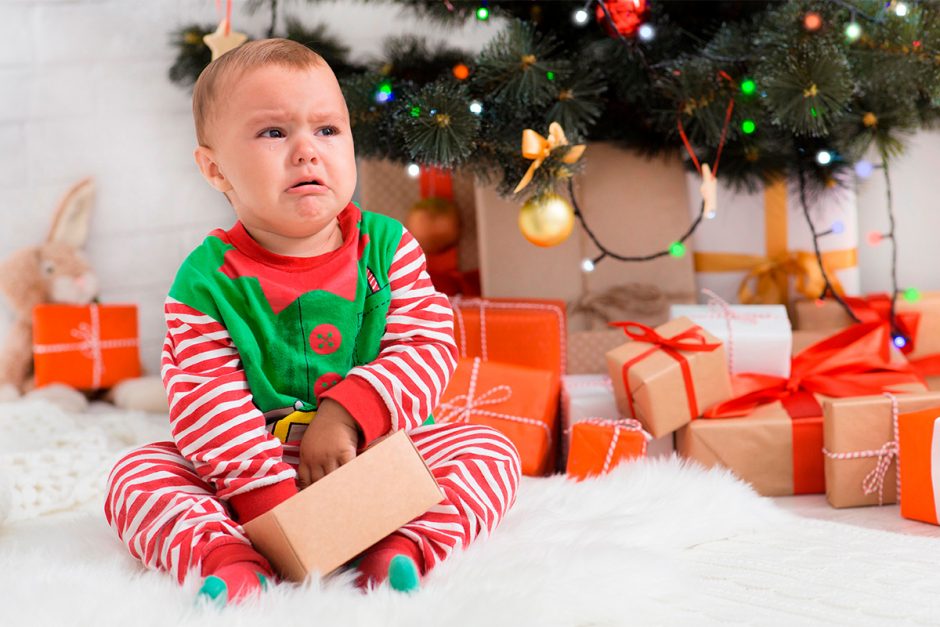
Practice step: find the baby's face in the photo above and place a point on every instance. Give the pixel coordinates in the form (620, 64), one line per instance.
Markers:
(282, 141)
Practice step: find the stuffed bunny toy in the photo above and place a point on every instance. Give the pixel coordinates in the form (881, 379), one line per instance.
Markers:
(53, 272)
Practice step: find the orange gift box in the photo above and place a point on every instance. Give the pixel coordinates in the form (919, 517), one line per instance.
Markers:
(521, 403)
(88, 347)
(919, 452)
(599, 445)
(528, 333)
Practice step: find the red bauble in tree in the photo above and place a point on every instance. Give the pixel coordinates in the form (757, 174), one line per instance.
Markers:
(626, 15)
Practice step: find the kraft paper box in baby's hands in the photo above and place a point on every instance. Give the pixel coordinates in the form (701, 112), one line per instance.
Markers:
(331, 521)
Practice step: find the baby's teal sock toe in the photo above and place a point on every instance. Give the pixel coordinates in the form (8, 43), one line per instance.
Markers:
(403, 574)
(214, 589)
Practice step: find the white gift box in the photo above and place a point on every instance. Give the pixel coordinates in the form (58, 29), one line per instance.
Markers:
(763, 233)
(585, 396)
(757, 338)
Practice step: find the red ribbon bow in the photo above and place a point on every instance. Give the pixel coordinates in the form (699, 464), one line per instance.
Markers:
(853, 362)
(877, 308)
(690, 340)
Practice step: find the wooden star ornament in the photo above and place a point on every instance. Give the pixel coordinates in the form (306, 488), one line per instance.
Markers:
(709, 190)
(223, 40)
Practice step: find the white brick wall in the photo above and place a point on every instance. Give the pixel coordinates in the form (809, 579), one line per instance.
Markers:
(84, 92)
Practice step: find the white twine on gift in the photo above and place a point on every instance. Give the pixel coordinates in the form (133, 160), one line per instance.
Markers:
(874, 481)
(619, 425)
(90, 344)
(722, 309)
(457, 302)
(460, 407)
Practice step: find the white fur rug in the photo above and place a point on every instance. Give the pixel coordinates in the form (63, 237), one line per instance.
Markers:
(654, 543)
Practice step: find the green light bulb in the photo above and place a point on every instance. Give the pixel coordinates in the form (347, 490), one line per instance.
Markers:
(415, 111)
(677, 249)
(483, 14)
(748, 127)
(912, 294)
(748, 87)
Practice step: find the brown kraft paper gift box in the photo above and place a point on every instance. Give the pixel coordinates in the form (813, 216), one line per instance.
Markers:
(330, 522)
(757, 448)
(661, 398)
(863, 423)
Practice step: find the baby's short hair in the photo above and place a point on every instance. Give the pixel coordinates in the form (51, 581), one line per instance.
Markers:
(254, 54)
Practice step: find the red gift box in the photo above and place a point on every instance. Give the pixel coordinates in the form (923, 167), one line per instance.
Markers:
(88, 347)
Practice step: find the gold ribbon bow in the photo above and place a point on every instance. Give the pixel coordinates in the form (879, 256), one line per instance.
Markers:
(538, 148)
(768, 276)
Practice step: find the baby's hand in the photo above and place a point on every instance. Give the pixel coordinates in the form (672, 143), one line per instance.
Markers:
(329, 442)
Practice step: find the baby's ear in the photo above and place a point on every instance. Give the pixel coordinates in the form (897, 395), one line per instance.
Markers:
(205, 159)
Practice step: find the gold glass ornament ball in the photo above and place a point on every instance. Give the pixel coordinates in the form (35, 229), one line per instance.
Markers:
(546, 220)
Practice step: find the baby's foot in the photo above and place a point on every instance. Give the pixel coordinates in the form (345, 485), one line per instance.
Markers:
(232, 584)
(395, 560)
(403, 574)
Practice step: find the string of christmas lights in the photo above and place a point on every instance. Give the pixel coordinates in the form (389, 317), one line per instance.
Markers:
(675, 249)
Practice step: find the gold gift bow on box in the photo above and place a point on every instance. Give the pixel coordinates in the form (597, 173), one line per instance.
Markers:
(538, 148)
(771, 272)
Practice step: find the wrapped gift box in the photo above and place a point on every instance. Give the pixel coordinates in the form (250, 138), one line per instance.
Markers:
(589, 396)
(919, 450)
(920, 320)
(740, 267)
(587, 350)
(771, 433)
(860, 438)
(520, 402)
(666, 377)
(642, 212)
(529, 333)
(599, 445)
(757, 338)
(88, 347)
(776, 454)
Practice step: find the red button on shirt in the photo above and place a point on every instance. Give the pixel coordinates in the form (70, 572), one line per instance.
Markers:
(325, 339)
(325, 382)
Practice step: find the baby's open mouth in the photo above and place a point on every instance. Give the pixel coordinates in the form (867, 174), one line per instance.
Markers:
(302, 183)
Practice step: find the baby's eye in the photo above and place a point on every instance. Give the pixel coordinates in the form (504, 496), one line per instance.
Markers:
(329, 130)
(273, 133)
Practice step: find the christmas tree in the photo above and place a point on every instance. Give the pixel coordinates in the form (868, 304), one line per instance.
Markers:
(813, 84)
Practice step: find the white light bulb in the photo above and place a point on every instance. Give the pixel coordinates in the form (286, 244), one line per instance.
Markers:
(900, 9)
(580, 17)
(853, 31)
(413, 170)
(647, 32)
(587, 265)
(823, 157)
(476, 107)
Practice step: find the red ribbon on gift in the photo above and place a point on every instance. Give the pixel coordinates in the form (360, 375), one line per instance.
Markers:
(853, 362)
(690, 340)
(877, 308)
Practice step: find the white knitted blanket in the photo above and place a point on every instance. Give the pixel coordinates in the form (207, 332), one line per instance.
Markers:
(654, 543)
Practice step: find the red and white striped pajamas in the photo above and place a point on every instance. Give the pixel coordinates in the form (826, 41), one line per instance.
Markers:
(172, 503)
